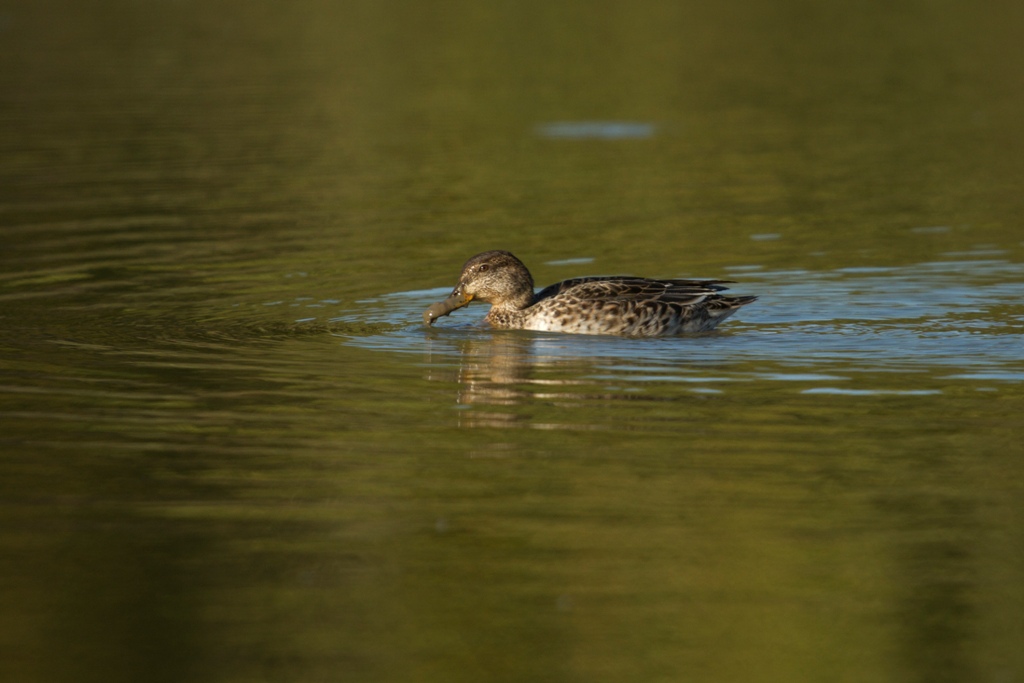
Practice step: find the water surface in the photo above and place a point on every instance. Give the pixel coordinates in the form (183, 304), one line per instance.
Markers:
(231, 450)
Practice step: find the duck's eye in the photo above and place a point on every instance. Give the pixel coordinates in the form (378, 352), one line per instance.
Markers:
(482, 267)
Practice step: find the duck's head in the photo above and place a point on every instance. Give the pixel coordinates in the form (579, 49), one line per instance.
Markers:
(494, 277)
(497, 278)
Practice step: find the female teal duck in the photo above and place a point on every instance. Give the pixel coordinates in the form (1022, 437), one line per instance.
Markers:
(629, 306)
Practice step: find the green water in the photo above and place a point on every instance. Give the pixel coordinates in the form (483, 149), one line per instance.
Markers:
(230, 451)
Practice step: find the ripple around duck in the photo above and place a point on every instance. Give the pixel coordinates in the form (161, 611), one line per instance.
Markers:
(961, 319)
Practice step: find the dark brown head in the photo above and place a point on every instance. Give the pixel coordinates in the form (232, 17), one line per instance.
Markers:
(497, 278)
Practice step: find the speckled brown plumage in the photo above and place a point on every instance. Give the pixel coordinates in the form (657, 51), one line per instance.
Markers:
(629, 306)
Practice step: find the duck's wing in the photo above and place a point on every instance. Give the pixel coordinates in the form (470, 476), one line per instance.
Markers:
(626, 288)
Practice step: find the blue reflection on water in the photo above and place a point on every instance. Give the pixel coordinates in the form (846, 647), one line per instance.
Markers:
(819, 327)
(596, 130)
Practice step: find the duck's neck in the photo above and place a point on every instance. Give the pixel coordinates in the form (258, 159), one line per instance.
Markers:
(520, 301)
(511, 312)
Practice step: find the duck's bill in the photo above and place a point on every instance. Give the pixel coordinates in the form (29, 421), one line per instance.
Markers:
(443, 308)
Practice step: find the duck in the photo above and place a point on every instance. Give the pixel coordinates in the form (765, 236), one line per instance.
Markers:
(613, 305)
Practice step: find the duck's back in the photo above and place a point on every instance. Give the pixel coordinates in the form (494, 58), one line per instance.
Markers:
(631, 306)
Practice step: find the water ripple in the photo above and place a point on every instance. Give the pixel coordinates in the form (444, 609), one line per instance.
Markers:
(807, 327)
